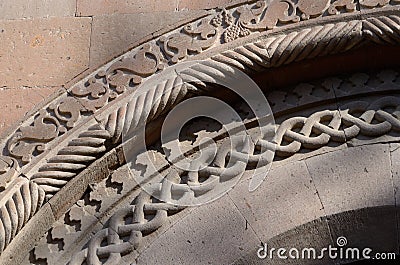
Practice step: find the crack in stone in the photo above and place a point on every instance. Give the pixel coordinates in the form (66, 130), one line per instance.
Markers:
(325, 217)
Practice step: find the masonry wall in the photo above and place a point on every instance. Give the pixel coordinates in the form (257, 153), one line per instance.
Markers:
(46, 44)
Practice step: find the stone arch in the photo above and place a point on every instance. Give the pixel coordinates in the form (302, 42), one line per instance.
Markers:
(53, 156)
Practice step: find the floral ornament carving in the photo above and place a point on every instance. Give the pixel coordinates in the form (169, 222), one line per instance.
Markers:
(193, 39)
(312, 8)
(233, 31)
(113, 81)
(31, 139)
(8, 170)
(349, 5)
(94, 94)
(277, 11)
(121, 75)
(263, 17)
(144, 63)
(68, 110)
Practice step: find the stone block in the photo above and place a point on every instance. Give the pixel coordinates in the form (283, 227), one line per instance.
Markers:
(16, 103)
(98, 7)
(11, 9)
(214, 233)
(353, 178)
(286, 199)
(43, 52)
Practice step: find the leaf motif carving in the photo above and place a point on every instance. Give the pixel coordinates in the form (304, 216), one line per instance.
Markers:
(31, 139)
(8, 170)
(277, 11)
(193, 38)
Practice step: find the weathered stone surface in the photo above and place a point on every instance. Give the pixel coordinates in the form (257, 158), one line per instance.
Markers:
(313, 234)
(395, 163)
(11, 9)
(109, 39)
(286, 199)
(373, 228)
(43, 52)
(16, 102)
(214, 233)
(98, 7)
(365, 228)
(354, 178)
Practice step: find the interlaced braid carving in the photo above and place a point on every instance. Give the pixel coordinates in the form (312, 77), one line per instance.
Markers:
(17, 206)
(271, 52)
(358, 118)
(326, 125)
(138, 215)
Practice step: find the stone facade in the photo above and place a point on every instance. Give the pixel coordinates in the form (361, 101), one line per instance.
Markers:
(69, 192)
(46, 45)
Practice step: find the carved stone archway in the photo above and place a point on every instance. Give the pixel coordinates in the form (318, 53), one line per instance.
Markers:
(63, 172)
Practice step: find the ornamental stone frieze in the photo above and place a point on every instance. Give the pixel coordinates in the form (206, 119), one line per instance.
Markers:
(67, 196)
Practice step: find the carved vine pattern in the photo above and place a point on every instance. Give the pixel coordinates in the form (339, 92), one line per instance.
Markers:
(192, 39)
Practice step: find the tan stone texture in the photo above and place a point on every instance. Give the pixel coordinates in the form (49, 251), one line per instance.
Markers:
(16, 102)
(14, 9)
(43, 52)
(98, 7)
